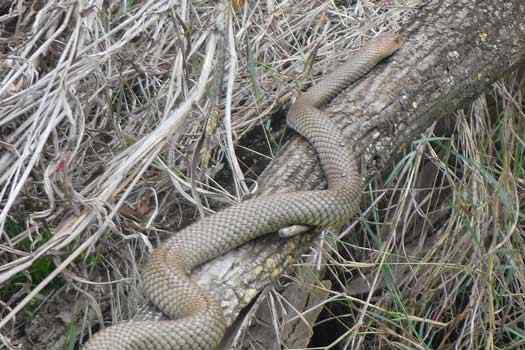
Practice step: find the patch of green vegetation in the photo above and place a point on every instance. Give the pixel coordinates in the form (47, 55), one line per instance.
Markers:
(12, 227)
(94, 260)
(38, 271)
(71, 336)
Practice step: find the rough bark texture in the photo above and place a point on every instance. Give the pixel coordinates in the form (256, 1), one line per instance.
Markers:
(454, 51)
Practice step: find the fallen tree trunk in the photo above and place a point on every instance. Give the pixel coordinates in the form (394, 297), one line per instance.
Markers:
(454, 51)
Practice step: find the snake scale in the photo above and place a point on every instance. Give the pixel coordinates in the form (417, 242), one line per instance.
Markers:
(196, 318)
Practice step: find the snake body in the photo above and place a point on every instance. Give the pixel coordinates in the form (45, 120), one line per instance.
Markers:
(197, 321)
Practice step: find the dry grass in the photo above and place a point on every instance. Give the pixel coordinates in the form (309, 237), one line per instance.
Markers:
(443, 253)
(107, 107)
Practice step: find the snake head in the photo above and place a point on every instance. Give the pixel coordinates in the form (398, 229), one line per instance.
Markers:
(386, 43)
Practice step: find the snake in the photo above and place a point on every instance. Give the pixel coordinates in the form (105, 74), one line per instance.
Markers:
(196, 320)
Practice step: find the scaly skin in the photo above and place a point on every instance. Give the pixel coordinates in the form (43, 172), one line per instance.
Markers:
(197, 322)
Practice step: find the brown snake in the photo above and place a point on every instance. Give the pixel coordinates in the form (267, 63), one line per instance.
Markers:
(197, 321)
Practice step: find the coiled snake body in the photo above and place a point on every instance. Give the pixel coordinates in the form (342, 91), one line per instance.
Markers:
(197, 321)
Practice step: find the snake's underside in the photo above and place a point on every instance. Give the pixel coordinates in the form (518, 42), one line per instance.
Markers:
(197, 321)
